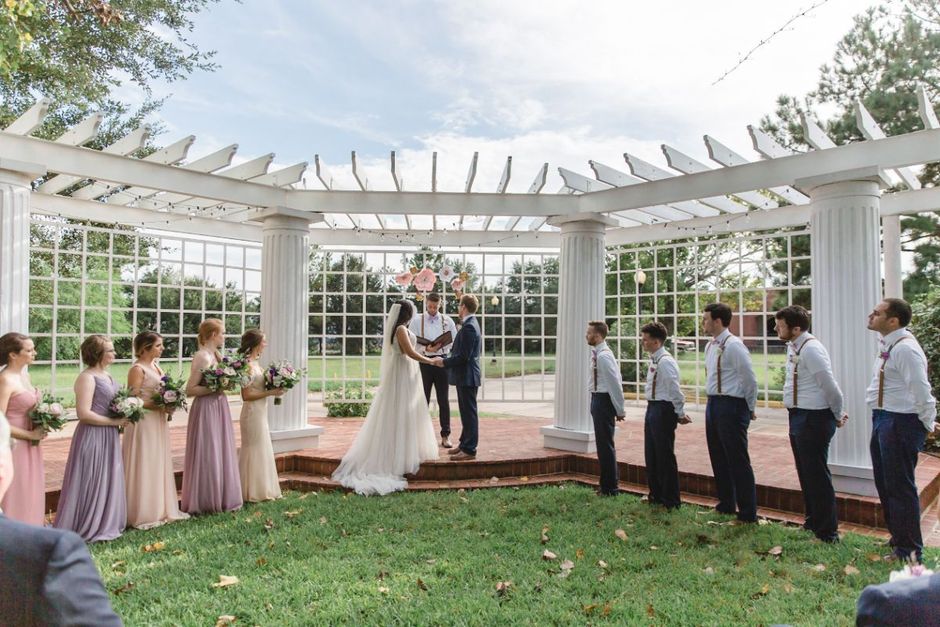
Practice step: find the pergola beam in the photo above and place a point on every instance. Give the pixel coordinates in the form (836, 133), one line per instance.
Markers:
(616, 178)
(871, 130)
(721, 154)
(128, 144)
(30, 119)
(682, 162)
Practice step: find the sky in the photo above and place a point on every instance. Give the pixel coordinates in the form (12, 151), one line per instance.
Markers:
(541, 80)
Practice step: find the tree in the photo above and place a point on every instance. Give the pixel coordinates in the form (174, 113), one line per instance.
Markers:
(881, 61)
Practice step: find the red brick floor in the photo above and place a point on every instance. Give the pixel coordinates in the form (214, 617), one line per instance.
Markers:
(511, 448)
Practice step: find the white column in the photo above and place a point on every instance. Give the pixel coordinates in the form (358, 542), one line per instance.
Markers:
(580, 300)
(891, 248)
(846, 264)
(284, 305)
(15, 179)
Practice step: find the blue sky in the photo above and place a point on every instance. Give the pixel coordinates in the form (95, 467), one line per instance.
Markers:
(561, 82)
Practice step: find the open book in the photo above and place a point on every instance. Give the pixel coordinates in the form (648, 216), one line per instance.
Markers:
(443, 339)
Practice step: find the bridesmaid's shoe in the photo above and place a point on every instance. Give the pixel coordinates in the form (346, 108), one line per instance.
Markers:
(445, 442)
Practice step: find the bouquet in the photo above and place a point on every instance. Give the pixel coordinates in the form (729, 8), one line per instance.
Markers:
(171, 395)
(229, 374)
(126, 405)
(281, 374)
(48, 414)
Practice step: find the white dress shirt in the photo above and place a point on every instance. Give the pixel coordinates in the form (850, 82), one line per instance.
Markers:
(906, 387)
(609, 380)
(434, 326)
(737, 373)
(665, 371)
(816, 387)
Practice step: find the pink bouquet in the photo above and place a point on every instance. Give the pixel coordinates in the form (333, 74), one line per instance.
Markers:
(48, 414)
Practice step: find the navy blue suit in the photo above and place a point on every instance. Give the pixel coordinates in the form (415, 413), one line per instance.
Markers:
(463, 371)
(907, 602)
(47, 578)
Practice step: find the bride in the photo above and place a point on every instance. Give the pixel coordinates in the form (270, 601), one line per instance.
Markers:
(397, 434)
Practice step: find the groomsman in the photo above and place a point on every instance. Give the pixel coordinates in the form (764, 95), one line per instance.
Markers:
(606, 387)
(731, 387)
(665, 409)
(903, 412)
(431, 325)
(814, 401)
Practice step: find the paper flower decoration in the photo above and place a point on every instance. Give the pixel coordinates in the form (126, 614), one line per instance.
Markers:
(425, 280)
(457, 285)
(447, 273)
(413, 270)
(464, 276)
(404, 279)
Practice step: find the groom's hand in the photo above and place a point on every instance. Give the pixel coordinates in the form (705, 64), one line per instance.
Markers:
(437, 361)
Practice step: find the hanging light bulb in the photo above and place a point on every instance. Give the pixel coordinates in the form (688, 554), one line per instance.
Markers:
(640, 277)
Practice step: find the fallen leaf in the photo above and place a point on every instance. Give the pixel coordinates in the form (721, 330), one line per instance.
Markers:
(787, 588)
(544, 535)
(117, 564)
(293, 513)
(650, 611)
(819, 567)
(548, 555)
(322, 520)
(654, 548)
(764, 590)
(178, 552)
(156, 546)
(777, 550)
(602, 563)
(422, 585)
(502, 587)
(579, 554)
(125, 588)
(709, 571)
(225, 580)
(225, 619)
(269, 524)
(464, 499)
(763, 521)
(589, 608)
(567, 565)
(523, 478)
(383, 589)
(620, 533)
(431, 561)
(607, 609)
(850, 570)
(874, 557)
(261, 561)
(494, 480)
(382, 574)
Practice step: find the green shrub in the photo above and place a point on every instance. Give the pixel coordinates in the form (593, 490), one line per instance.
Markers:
(352, 403)
(924, 325)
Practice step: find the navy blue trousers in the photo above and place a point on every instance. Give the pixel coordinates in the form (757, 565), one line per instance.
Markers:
(810, 433)
(726, 421)
(662, 471)
(604, 415)
(469, 420)
(896, 439)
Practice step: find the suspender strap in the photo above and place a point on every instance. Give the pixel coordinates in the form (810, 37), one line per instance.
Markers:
(655, 374)
(881, 371)
(721, 347)
(796, 368)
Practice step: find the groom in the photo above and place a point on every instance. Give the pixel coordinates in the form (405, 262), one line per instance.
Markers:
(463, 367)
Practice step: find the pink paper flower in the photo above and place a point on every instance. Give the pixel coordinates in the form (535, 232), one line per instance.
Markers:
(447, 273)
(425, 280)
(404, 279)
(457, 284)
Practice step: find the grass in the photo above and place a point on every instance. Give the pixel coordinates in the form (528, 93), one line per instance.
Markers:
(437, 558)
(333, 370)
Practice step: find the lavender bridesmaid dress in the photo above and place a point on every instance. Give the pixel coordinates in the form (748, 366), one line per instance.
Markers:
(210, 470)
(25, 500)
(92, 502)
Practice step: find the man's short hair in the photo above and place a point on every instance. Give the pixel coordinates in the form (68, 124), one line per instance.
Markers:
(470, 302)
(433, 297)
(656, 330)
(719, 311)
(600, 327)
(5, 441)
(898, 308)
(794, 316)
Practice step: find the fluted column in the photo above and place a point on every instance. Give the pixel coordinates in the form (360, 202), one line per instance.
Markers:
(580, 300)
(846, 262)
(15, 179)
(891, 248)
(284, 308)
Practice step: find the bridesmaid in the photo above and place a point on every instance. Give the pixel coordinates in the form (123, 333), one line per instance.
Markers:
(148, 466)
(92, 501)
(210, 472)
(256, 457)
(25, 501)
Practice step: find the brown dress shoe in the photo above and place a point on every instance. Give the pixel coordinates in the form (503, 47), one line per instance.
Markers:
(454, 451)
(445, 442)
(461, 456)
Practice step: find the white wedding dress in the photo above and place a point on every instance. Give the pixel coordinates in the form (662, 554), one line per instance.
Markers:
(398, 434)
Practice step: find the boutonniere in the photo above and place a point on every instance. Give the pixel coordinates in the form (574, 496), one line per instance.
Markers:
(885, 355)
(652, 367)
(720, 350)
(794, 359)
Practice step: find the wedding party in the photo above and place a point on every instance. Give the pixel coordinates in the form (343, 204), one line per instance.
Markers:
(408, 314)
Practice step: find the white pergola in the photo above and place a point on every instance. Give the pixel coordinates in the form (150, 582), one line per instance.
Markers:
(836, 189)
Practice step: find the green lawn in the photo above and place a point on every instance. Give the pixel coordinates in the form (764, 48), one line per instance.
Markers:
(437, 558)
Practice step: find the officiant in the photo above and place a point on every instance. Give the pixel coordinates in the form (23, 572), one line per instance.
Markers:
(429, 327)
